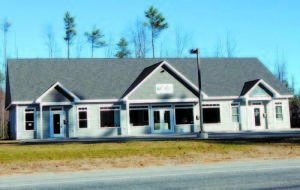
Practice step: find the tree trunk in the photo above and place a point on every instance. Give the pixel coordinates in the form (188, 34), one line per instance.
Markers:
(153, 44)
(92, 49)
(68, 49)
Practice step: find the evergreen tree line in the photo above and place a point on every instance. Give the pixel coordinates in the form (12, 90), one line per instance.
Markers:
(156, 24)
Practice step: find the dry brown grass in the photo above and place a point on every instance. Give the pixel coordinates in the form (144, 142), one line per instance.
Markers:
(23, 159)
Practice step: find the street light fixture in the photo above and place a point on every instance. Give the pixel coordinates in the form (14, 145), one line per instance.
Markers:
(197, 52)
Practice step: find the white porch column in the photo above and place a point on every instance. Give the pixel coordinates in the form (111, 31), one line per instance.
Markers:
(247, 112)
(41, 118)
(128, 118)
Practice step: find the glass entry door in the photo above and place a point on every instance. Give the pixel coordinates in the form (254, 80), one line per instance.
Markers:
(258, 117)
(56, 123)
(162, 121)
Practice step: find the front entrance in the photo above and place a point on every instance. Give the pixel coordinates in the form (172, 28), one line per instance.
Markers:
(57, 123)
(258, 117)
(162, 121)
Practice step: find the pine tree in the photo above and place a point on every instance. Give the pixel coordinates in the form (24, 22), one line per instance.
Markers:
(95, 39)
(70, 30)
(156, 23)
(122, 49)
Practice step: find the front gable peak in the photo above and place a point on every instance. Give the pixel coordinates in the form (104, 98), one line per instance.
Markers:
(57, 93)
(258, 89)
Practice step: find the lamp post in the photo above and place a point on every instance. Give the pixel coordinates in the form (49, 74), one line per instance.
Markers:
(197, 52)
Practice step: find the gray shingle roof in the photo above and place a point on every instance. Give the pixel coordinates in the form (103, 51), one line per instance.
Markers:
(110, 78)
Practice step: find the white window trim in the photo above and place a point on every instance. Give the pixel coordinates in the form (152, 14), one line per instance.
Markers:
(276, 103)
(87, 116)
(114, 109)
(34, 115)
(237, 104)
(148, 109)
(219, 105)
(184, 106)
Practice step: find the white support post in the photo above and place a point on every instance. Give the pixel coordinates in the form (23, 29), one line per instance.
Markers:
(128, 118)
(247, 113)
(41, 118)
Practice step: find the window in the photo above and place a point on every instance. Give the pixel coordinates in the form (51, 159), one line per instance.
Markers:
(235, 111)
(139, 115)
(184, 114)
(278, 109)
(211, 113)
(29, 119)
(82, 117)
(110, 116)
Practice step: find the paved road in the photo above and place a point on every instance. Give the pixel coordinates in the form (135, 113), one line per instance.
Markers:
(235, 175)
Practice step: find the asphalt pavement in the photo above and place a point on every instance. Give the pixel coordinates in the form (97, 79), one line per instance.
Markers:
(283, 174)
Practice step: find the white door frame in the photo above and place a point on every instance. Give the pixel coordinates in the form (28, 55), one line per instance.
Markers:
(162, 111)
(62, 125)
(262, 118)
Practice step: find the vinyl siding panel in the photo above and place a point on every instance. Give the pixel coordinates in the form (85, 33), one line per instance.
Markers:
(46, 122)
(258, 92)
(226, 121)
(285, 123)
(94, 129)
(12, 119)
(22, 133)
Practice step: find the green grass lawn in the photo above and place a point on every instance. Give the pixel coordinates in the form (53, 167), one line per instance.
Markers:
(72, 151)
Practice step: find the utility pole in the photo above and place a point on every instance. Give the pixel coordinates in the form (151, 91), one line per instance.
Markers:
(197, 52)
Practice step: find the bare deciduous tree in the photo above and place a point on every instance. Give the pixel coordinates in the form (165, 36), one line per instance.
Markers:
(79, 46)
(280, 69)
(230, 45)
(139, 39)
(50, 40)
(219, 49)
(5, 26)
(181, 42)
(16, 47)
(109, 47)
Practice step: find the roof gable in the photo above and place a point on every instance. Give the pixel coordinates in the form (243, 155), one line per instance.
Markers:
(149, 71)
(57, 93)
(163, 84)
(258, 88)
(260, 91)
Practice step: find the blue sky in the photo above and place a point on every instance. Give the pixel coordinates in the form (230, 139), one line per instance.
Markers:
(257, 28)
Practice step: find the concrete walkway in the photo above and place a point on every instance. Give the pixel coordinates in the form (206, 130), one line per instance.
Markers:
(166, 137)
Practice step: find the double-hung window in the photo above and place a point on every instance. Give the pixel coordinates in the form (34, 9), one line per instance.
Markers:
(184, 114)
(211, 113)
(278, 109)
(139, 115)
(29, 119)
(110, 116)
(235, 111)
(82, 118)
